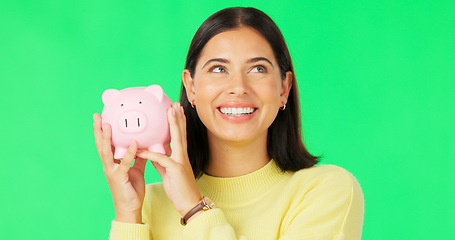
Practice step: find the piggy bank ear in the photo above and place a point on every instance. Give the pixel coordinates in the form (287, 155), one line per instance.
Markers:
(109, 94)
(156, 90)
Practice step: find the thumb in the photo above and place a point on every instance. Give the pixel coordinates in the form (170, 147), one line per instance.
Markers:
(129, 157)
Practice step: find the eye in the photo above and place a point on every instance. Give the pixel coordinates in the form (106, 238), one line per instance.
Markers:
(259, 69)
(121, 105)
(140, 102)
(218, 69)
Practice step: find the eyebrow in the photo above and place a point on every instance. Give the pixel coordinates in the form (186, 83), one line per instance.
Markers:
(224, 60)
(258, 59)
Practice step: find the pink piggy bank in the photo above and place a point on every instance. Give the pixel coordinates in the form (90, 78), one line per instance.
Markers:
(140, 114)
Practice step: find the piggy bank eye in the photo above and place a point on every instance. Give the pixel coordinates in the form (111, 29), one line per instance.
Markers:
(140, 102)
(121, 105)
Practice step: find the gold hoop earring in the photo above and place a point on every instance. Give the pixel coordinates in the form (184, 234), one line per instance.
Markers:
(192, 105)
(283, 107)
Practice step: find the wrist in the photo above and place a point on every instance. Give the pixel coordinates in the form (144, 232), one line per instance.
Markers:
(128, 217)
(194, 215)
(203, 205)
(190, 205)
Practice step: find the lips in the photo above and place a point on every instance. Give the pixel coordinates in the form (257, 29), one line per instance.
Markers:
(237, 111)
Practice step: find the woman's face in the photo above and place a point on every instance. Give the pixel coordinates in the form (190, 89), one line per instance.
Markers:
(237, 87)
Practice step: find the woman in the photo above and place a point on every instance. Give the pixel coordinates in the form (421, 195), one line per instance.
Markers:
(236, 141)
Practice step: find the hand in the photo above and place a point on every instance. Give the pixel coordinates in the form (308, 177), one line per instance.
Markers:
(175, 171)
(126, 183)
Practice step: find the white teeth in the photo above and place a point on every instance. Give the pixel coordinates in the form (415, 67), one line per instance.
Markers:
(236, 111)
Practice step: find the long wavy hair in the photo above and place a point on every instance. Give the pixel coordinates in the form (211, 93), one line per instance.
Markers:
(284, 139)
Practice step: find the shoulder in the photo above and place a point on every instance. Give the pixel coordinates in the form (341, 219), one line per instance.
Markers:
(326, 181)
(329, 195)
(328, 186)
(328, 174)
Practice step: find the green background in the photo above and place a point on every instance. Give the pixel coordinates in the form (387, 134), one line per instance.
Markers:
(376, 80)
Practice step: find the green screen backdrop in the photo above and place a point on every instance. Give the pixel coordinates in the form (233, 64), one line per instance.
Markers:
(376, 80)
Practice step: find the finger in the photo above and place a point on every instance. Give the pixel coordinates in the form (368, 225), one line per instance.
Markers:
(137, 171)
(139, 164)
(176, 138)
(97, 130)
(159, 158)
(179, 118)
(167, 150)
(160, 169)
(106, 148)
(181, 122)
(183, 129)
(127, 160)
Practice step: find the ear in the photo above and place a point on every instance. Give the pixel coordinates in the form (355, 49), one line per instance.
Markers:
(286, 86)
(156, 90)
(109, 95)
(189, 85)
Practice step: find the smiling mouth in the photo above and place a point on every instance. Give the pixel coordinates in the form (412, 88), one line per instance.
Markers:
(237, 111)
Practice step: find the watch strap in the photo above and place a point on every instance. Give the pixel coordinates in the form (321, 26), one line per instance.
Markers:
(197, 208)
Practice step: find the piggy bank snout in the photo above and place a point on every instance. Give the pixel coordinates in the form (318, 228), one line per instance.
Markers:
(132, 122)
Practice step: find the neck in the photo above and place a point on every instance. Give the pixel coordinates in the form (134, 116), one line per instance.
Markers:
(232, 159)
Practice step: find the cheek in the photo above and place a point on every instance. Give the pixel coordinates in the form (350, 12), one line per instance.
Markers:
(203, 93)
(206, 91)
(270, 90)
(205, 96)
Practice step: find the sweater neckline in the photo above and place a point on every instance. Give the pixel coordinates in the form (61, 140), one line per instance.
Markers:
(240, 189)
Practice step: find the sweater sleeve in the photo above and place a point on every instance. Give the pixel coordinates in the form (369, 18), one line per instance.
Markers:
(130, 231)
(209, 225)
(332, 209)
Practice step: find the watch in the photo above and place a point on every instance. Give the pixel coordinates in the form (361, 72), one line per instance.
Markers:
(204, 204)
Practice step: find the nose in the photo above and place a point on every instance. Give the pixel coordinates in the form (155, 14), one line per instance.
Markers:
(238, 85)
(132, 122)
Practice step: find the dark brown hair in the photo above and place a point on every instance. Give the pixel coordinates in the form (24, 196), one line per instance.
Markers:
(284, 139)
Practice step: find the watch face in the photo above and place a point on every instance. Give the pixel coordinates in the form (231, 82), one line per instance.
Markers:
(208, 204)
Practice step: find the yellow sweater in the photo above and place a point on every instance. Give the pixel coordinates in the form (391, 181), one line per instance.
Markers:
(321, 202)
